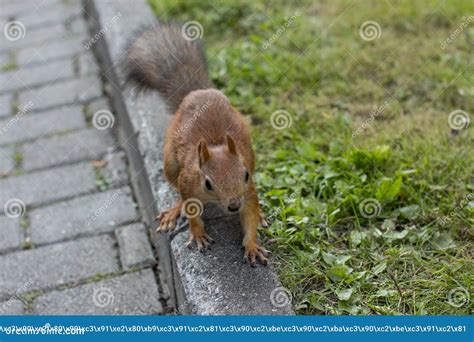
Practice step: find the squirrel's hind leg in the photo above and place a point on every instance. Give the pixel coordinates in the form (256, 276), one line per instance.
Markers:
(168, 217)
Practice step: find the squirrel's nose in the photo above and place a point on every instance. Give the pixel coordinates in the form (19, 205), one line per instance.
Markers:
(234, 204)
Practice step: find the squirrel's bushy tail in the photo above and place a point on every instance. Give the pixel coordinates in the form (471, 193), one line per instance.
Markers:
(161, 58)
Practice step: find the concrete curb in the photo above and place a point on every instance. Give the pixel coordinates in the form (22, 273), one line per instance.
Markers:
(217, 282)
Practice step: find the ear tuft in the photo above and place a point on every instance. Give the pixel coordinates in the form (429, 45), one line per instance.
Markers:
(203, 153)
(231, 145)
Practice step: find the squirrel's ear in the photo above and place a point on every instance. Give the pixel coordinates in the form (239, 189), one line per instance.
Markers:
(203, 152)
(231, 145)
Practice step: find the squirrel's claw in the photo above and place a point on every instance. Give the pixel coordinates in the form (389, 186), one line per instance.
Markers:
(203, 242)
(263, 221)
(168, 219)
(251, 255)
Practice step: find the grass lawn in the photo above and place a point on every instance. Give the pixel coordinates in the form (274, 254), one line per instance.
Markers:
(369, 189)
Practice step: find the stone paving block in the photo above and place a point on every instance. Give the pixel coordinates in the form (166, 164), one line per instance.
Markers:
(130, 294)
(6, 161)
(49, 185)
(115, 169)
(34, 37)
(134, 245)
(65, 149)
(60, 13)
(50, 50)
(43, 34)
(16, 8)
(88, 64)
(99, 104)
(57, 264)
(11, 307)
(5, 105)
(25, 126)
(92, 214)
(79, 26)
(74, 91)
(11, 234)
(4, 58)
(24, 78)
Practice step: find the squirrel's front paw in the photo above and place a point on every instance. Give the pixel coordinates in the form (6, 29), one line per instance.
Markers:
(203, 241)
(168, 219)
(254, 251)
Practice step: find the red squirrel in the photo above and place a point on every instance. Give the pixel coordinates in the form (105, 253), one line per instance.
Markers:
(208, 154)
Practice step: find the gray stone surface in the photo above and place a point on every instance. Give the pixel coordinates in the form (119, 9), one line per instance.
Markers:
(71, 234)
(35, 37)
(130, 294)
(24, 78)
(5, 105)
(11, 234)
(88, 64)
(115, 170)
(218, 282)
(50, 50)
(11, 307)
(16, 8)
(49, 185)
(62, 263)
(98, 104)
(134, 246)
(61, 13)
(25, 126)
(215, 283)
(4, 59)
(68, 148)
(6, 161)
(63, 93)
(78, 26)
(92, 214)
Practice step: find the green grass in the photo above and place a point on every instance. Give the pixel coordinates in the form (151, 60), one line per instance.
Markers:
(369, 121)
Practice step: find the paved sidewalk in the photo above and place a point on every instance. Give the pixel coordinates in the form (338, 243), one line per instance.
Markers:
(71, 237)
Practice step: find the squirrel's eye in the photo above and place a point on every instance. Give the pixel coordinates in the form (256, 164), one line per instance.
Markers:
(208, 185)
(247, 176)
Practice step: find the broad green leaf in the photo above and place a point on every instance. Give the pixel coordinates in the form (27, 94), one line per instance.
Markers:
(379, 268)
(388, 189)
(344, 294)
(443, 241)
(338, 273)
(410, 212)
